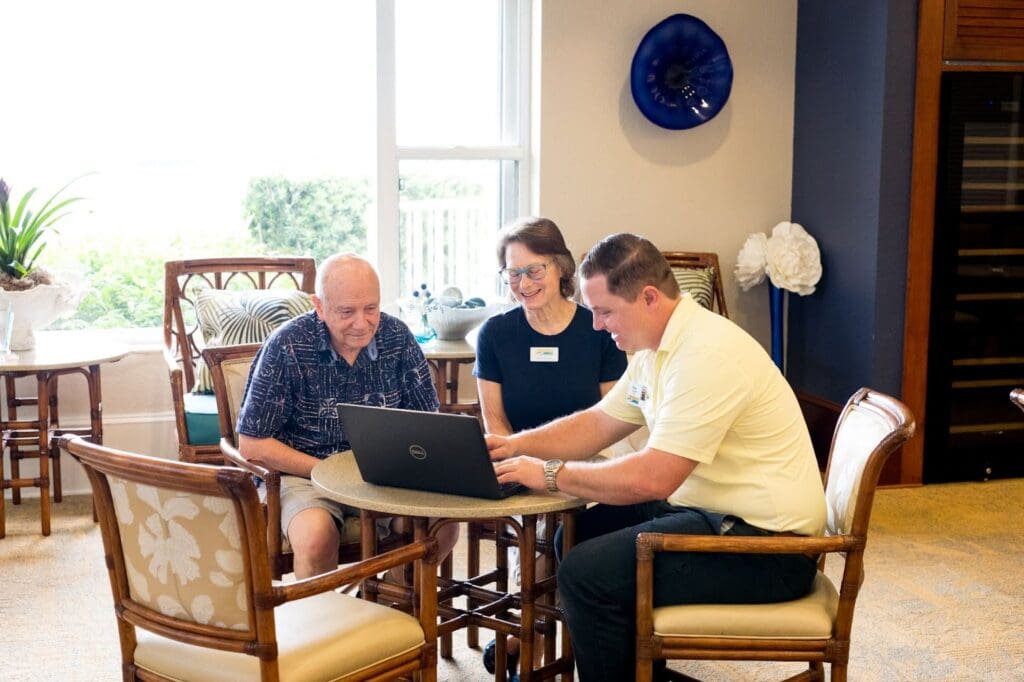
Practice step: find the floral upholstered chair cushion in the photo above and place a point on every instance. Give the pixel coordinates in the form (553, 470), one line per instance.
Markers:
(698, 282)
(227, 318)
(183, 553)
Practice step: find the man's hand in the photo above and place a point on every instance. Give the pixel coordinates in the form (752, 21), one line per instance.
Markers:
(526, 470)
(500, 447)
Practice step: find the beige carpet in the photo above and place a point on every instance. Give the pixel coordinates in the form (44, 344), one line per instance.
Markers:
(942, 599)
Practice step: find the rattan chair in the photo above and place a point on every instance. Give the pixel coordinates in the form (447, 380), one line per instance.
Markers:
(702, 259)
(815, 628)
(185, 548)
(229, 366)
(183, 344)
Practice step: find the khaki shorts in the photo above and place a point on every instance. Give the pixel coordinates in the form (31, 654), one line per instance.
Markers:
(298, 495)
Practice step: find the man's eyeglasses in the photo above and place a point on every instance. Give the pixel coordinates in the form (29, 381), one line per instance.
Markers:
(534, 271)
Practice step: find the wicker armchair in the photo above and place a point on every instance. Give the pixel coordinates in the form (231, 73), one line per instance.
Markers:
(183, 344)
(212, 613)
(815, 628)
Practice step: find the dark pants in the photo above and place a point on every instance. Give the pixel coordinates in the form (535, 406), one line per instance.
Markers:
(597, 578)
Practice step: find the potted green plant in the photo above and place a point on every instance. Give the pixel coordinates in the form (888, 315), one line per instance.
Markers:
(34, 295)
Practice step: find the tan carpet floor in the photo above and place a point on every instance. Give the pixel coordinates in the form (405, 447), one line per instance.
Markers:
(942, 599)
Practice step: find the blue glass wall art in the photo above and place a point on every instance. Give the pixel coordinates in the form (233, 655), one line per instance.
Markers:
(681, 75)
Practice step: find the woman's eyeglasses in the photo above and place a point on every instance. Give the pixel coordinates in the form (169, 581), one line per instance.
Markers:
(534, 271)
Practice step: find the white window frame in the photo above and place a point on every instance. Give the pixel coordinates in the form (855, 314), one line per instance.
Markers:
(383, 240)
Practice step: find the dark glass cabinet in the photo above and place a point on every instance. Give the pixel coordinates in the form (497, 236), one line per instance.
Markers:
(976, 354)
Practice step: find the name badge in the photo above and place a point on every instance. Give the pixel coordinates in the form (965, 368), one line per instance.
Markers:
(637, 394)
(543, 354)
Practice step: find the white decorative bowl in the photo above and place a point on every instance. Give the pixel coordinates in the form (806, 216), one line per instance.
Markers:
(452, 324)
(37, 307)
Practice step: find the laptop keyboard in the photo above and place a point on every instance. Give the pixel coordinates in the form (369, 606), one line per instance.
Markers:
(509, 489)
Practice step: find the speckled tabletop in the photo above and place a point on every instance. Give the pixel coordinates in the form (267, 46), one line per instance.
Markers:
(337, 477)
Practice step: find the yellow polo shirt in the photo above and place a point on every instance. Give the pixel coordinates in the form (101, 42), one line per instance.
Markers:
(711, 393)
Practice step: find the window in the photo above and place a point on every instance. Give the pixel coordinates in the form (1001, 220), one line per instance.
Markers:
(394, 128)
(460, 141)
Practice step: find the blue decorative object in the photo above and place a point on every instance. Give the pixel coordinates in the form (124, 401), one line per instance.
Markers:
(681, 74)
(423, 331)
(776, 300)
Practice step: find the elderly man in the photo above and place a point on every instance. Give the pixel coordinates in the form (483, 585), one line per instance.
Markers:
(729, 453)
(346, 350)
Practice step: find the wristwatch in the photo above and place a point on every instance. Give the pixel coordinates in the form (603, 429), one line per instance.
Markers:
(551, 469)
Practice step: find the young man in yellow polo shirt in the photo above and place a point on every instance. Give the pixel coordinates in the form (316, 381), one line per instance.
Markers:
(728, 454)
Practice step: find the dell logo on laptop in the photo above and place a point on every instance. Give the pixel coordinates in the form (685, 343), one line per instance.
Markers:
(418, 451)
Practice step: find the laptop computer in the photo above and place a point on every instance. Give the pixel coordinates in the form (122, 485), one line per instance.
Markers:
(433, 451)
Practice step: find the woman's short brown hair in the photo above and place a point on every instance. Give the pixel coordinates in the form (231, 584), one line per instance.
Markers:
(541, 236)
(629, 263)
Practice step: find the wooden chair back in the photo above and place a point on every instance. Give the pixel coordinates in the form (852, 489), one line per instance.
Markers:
(130, 491)
(702, 259)
(183, 342)
(871, 427)
(187, 558)
(229, 367)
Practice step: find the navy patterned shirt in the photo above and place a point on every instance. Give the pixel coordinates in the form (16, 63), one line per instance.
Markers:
(297, 380)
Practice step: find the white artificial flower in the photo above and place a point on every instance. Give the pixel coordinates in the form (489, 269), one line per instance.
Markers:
(751, 261)
(793, 259)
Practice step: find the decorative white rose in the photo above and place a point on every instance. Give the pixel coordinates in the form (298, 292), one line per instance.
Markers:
(751, 261)
(793, 259)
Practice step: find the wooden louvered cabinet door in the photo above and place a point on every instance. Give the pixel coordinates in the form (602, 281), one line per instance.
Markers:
(984, 30)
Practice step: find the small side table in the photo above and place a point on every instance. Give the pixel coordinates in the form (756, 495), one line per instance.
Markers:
(52, 358)
(445, 358)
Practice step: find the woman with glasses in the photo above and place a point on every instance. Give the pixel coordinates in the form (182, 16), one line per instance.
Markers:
(543, 359)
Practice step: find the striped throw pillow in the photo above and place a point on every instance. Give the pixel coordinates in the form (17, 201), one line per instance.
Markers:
(698, 282)
(227, 318)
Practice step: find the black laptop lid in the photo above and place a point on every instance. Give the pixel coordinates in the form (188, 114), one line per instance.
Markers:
(443, 453)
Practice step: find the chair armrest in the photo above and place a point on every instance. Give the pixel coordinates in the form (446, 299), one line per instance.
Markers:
(171, 362)
(272, 483)
(649, 543)
(425, 549)
(253, 466)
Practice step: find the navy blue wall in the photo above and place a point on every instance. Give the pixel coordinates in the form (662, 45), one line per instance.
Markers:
(853, 127)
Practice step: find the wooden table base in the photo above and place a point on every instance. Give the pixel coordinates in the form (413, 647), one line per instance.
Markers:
(491, 608)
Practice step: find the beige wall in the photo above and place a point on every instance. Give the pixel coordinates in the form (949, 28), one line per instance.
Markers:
(605, 168)
(602, 167)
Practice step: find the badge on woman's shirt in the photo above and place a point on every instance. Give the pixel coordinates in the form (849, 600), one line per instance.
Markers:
(543, 353)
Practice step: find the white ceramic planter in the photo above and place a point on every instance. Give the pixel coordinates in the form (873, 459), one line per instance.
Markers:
(37, 307)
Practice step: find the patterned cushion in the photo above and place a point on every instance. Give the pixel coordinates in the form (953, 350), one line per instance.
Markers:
(698, 282)
(183, 553)
(227, 318)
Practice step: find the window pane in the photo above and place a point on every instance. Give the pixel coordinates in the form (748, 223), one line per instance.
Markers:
(211, 129)
(449, 214)
(448, 72)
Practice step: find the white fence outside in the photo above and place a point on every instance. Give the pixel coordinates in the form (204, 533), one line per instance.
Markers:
(446, 242)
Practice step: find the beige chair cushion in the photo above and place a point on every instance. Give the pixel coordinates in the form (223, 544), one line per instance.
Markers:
(320, 638)
(810, 617)
(862, 430)
(236, 375)
(182, 553)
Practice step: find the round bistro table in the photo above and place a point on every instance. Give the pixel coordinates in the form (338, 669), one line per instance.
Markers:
(338, 478)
